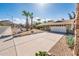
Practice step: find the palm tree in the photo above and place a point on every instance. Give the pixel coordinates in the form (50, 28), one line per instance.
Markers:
(62, 19)
(70, 16)
(26, 14)
(31, 16)
(74, 15)
(44, 21)
(39, 21)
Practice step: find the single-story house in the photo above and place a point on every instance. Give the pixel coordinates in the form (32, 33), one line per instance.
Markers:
(5, 31)
(61, 26)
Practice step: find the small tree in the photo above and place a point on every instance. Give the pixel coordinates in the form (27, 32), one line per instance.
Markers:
(41, 53)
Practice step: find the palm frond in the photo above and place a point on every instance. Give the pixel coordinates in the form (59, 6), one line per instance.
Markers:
(25, 13)
(31, 14)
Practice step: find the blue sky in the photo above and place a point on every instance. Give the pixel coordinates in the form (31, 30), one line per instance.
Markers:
(45, 11)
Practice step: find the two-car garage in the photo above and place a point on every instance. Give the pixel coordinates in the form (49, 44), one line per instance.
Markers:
(61, 29)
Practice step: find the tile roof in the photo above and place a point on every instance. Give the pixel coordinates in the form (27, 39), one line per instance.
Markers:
(57, 23)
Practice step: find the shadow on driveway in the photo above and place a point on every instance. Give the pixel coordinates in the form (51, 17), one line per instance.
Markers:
(2, 37)
(15, 36)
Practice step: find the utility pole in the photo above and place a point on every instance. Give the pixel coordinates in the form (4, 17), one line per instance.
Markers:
(76, 45)
(13, 37)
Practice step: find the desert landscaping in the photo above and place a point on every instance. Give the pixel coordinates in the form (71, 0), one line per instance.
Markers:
(48, 38)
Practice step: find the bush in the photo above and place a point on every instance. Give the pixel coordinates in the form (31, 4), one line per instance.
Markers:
(41, 53)
(70, 41)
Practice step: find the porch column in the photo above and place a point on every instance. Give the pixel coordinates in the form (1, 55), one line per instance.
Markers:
(76, 45)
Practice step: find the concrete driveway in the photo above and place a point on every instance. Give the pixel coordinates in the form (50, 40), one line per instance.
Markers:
(29, 45)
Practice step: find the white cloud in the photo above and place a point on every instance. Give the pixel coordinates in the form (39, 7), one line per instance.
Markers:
(42, 19)
(15, 20)
(18, 20)
(4, 19)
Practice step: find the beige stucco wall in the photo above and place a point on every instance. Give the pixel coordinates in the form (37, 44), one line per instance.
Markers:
(7, 31)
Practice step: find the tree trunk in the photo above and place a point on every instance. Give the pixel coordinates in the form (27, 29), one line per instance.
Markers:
(31, 23)
(27, 25)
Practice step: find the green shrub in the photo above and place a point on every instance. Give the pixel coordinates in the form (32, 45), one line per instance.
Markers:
(70, 41)
(41, 53)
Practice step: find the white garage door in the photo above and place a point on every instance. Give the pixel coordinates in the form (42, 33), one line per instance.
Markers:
(61, 29)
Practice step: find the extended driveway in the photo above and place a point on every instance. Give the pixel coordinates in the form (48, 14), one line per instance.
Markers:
(28, 45)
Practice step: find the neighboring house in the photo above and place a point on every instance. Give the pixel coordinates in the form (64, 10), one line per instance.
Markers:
(5, 31)
(66, 26)
(5, 23)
